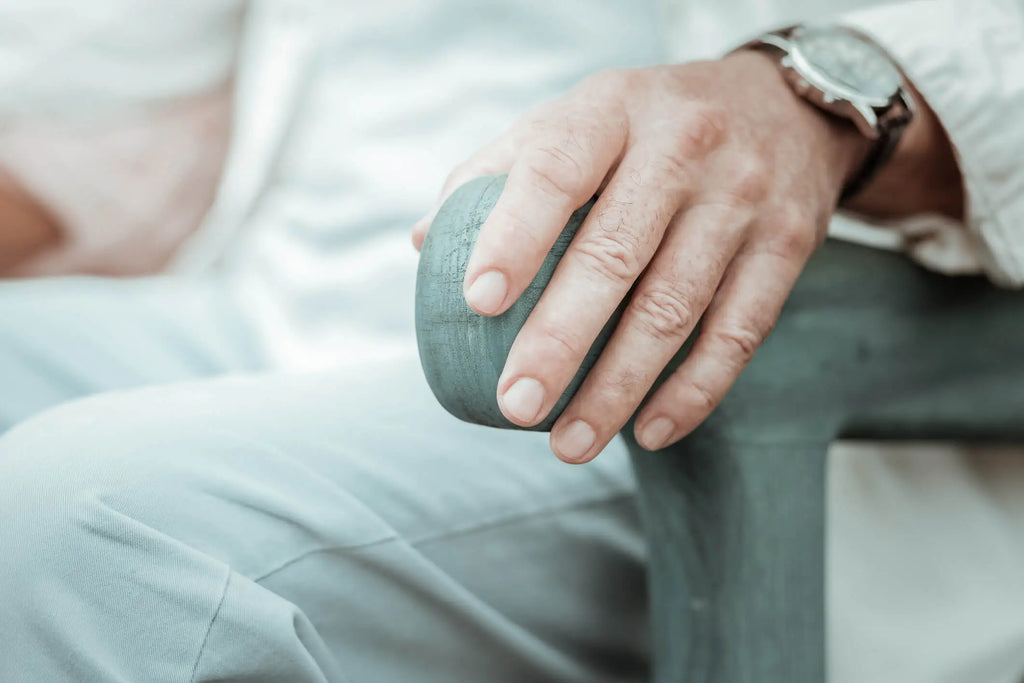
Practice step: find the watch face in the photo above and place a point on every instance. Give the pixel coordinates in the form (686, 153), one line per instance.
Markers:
(843, 59)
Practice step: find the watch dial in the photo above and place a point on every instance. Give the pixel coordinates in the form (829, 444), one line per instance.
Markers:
(849, 61)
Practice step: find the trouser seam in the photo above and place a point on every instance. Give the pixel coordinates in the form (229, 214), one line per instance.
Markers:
(449, 533)
(209, 628)
(515, 519)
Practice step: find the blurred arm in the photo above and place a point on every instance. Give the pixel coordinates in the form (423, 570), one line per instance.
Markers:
(25, 227)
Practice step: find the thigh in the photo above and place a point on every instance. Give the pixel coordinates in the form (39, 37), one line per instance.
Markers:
(69, 337)
(409, 545)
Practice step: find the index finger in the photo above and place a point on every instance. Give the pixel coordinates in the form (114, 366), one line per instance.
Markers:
(556, 173)
(495, 157)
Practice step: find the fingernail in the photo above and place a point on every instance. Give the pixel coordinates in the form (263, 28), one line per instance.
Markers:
(657, 433)
(524, 400)
(575, 441)
(487, 292)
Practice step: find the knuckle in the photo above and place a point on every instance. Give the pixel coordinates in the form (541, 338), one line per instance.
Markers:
(749, 177)
(515, 228)
(791, 216)
(624, 387)
(677, 164)
(535, 124)
(702, 129)
(664, 313)
(793, 231)
(739, 342)
(711, 120)
(557, 172)
(618, 208)
(705, 398)
(610, 255)
(561, 341)
(796, 243)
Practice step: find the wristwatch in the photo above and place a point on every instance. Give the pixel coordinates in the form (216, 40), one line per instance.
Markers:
(846, 74)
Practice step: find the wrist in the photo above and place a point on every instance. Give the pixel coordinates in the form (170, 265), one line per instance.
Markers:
(840, 147)
(923, 176)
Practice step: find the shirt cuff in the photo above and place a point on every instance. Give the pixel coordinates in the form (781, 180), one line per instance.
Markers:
(966, 58)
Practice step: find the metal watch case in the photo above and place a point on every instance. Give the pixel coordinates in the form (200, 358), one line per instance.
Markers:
(879, 118)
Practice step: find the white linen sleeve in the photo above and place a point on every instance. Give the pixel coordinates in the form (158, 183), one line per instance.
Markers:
(966, 58)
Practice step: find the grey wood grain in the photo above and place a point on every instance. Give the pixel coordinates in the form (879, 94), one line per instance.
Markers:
(868, 346)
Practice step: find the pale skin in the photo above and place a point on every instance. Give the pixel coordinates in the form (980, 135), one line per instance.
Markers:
(716, 184)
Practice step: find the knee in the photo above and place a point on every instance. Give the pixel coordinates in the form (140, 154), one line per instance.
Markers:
(174, 474)
(96, 471)
(94, 488)
(64, 476)
(87, 558)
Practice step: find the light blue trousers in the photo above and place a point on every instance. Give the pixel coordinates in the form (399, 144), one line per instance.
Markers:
(328, 527)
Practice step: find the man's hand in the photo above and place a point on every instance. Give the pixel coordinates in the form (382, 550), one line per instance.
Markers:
(716, 184)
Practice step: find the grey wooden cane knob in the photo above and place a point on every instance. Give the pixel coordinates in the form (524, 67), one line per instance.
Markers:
(463, 353)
